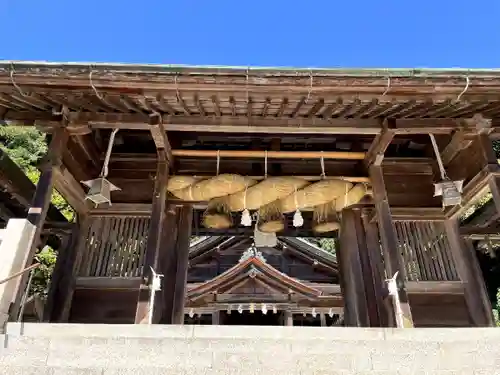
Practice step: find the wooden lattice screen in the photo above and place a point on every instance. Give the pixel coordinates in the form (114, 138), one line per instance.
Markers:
(426, 251)
(115, 246)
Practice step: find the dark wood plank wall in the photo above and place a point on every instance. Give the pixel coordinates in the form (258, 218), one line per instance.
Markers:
(439, 310)
(118, 307)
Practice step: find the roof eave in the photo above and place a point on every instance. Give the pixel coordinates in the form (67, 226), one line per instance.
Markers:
(214, 69)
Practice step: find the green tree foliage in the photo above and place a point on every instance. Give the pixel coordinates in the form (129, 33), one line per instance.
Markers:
(327, 244)
(47, 258)
(26, 146)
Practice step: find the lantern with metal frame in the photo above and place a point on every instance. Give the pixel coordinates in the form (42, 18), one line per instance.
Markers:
(100, 188)
(450, 191)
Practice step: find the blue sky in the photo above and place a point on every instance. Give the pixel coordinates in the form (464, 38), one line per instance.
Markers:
(364, 33)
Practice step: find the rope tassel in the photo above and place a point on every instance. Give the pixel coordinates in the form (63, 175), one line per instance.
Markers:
(298, 220)
(246, 218)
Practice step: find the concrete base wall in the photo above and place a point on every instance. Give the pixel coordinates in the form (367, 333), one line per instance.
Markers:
(72, 349)
(14, 248)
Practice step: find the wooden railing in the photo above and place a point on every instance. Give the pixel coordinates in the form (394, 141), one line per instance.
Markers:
(31, 270)
(426, 251)
(20, 273)
(115, 247)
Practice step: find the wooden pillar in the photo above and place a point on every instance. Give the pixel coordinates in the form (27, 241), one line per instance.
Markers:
(72, 267)
(154, 238)
(377, 307)
(352, 244)
(469, 272)
(167, 266)
(392, 258)
(182, 251)
(216, 318)
(288, 317)
(37, 213)
(322, 318)
(62, 276)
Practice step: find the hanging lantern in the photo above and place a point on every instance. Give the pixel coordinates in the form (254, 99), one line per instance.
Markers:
(191, 313)
(313, 312)
(100, 188)
(240, 309)
(229, 310)
(252, 308)
(330, 313)
(275, 310)
(450, 191)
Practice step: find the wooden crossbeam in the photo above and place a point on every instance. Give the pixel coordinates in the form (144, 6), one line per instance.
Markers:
(252, 124)
(345, 155)
(475, 188)
(472, 230)
(379, 145)
(160, 136)
(66, 184)
(459, 142)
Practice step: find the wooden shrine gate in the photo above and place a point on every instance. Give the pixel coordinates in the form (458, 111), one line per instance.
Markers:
(369, 131)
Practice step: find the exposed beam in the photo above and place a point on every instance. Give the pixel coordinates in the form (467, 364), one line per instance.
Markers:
(66, 184)
(411, 214)
(471, 230)
(459, 142)
(159, 135)
(253, 124)
(232, 124)
(377, 149)
(477, 187)
(345, 155)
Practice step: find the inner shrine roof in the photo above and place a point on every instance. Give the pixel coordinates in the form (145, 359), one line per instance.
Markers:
(253, 267)
(204, 246)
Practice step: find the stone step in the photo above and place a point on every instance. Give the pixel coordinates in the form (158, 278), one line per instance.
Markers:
(140, 349)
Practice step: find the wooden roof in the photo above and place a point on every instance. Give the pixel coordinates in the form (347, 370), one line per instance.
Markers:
(35, 91)
(204, 247)
(253, 268)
